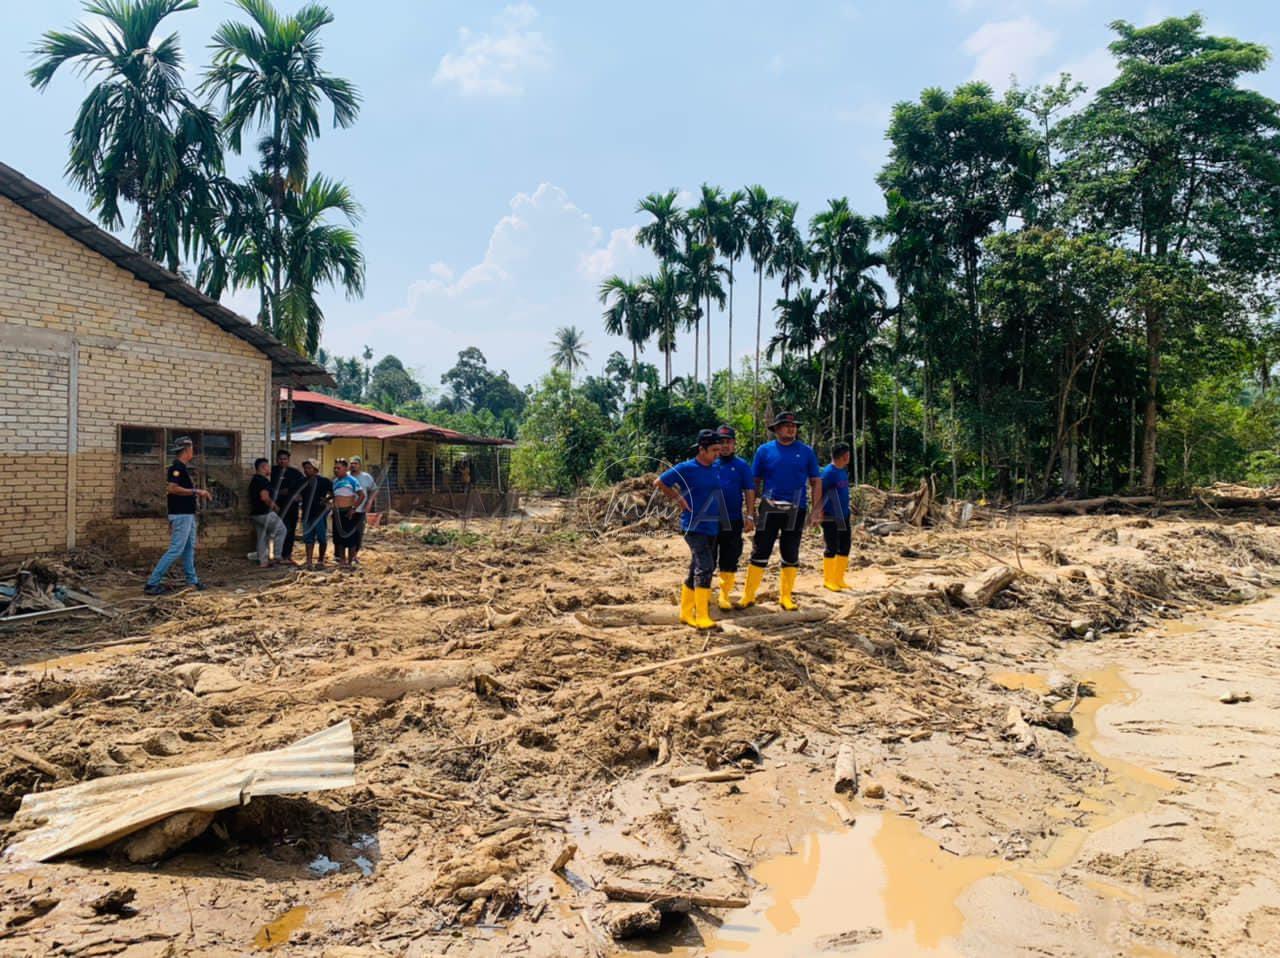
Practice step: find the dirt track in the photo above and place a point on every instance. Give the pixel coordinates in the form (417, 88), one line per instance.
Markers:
(1136, 832)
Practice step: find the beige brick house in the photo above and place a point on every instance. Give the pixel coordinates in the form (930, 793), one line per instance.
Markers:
(104, 358)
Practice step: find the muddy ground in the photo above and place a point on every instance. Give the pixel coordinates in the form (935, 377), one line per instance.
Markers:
(983, 824)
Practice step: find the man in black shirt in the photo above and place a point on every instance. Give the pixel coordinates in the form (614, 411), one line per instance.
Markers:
(285, 483)
(181, 497)
(265, 514)
(316, 495)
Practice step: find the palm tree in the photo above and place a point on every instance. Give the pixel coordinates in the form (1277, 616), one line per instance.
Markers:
(703, 222)
(731, 237)
(667, 307)
(139, 137)
(568, 350)
(625, 315)
(758, 211)
(317, 253)
(798, 323)
(790, 259)
(702, 279)
(268, 74)
(664, 235)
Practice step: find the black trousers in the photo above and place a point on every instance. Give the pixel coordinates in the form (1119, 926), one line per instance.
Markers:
(728, 546)
(344, 528)
(290, 519)
(784, 526)
(837, 536)
(702, 559)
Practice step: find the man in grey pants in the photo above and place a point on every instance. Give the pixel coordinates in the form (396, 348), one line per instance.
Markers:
(266, 515)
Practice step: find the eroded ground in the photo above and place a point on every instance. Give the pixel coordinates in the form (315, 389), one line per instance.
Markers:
(1144, 832)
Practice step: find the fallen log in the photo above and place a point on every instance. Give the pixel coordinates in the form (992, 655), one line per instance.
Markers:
(1080, 507)
(660, 897)
(629, 616)
(723, 775)
(738, 649)
(846, 779)
(391, 680)
(978, 592)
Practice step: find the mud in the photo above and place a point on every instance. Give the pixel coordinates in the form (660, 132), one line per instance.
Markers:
(1139, 831)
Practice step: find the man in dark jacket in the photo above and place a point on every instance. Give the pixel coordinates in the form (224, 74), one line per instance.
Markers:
(286, 482)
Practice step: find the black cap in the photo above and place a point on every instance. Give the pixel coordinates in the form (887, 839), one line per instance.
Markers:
(783, 418)
(726, 432)
(706, 437)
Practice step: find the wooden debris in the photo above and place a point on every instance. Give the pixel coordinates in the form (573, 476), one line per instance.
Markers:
(723, 775)
(738, 649)
(94, 814)
(670, 899)
(1232, 698)
(160, 839)
(846, 772)
(38, 763)
(631, 920)
(391, 680)
(1017, 730)
(563, 859)
(977, 593)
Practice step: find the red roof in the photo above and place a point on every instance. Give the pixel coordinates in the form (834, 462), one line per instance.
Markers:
(380, 425)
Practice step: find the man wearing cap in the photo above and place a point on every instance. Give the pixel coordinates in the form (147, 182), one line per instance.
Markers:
(694, 485)
(181, 495)
(736, 483)
(285, 483)
(786, 474)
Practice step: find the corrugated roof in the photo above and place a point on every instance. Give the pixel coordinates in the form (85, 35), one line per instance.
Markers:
(97, 812)
(384, 425)
(35, 199)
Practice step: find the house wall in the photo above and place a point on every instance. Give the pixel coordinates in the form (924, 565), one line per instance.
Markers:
(84, 348)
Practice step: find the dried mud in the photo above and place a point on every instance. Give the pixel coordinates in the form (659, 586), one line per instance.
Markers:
(467, 792)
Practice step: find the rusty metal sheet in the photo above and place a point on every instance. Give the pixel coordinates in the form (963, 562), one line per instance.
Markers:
(94, 814)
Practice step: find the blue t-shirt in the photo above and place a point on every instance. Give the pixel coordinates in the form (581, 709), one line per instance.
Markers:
(835, 491)
(786, 471)
(347, 486)
(700, 486)
(735, 479)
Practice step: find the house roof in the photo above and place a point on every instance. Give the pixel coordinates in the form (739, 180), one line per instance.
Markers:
(35, 199)
(377, 424)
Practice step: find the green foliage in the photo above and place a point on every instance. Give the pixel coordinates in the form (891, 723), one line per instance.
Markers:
(391, 385)
(560, 438)
(1214, 429)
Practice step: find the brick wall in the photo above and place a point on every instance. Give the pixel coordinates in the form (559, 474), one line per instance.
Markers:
(72, 321)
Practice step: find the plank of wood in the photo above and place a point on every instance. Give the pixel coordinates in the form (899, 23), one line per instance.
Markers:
(723, 775)
(738, 649)
(618, 891)
(5, 620)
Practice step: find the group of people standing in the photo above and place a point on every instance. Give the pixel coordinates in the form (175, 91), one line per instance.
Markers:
(722, 498)
(280, 500)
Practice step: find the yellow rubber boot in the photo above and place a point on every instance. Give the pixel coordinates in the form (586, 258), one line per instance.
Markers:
(842, 566)
(686, 605)
(727, 582)
(755, 575)
(702, 609)
(829, 574)
(787, 582)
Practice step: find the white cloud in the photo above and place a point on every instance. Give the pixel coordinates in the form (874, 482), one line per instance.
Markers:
(496, 63)
(542, 269)
(1095, 70)
(1005, 48)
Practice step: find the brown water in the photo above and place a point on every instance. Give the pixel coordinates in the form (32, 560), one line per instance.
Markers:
(894, 891)
(275, 934)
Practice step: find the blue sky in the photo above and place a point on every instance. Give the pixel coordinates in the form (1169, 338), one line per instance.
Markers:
(502, 148)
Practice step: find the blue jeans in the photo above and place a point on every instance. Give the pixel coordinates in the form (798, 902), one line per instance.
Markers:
(182, 544)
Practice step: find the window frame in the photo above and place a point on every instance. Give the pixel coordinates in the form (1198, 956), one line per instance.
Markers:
(199, 467)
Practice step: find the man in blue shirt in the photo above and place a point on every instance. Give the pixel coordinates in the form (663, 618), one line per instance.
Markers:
(786, 475)
(837, 532)
(695, 486)
(736, 483)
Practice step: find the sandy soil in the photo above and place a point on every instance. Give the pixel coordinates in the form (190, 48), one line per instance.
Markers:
(1143, 832)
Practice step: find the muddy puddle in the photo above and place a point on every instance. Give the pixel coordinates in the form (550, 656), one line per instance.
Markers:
(884, 888)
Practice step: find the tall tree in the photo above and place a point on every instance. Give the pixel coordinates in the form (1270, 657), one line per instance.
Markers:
(702, 273)
(665, 235)
(569, 350)
(759, 210)
(1176, 160)
(731, 238)
(268, 74)
(701, 227)
(625, 315)
(139, 137)
(668, 307)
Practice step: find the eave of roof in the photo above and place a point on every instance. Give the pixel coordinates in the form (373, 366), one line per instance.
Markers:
(384, 425)
(286, 365)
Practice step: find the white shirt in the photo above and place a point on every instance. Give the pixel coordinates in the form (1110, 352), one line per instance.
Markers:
(368, 484)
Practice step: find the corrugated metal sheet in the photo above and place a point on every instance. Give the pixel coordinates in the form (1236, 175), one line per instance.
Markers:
(94, 814)
(35, 199)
